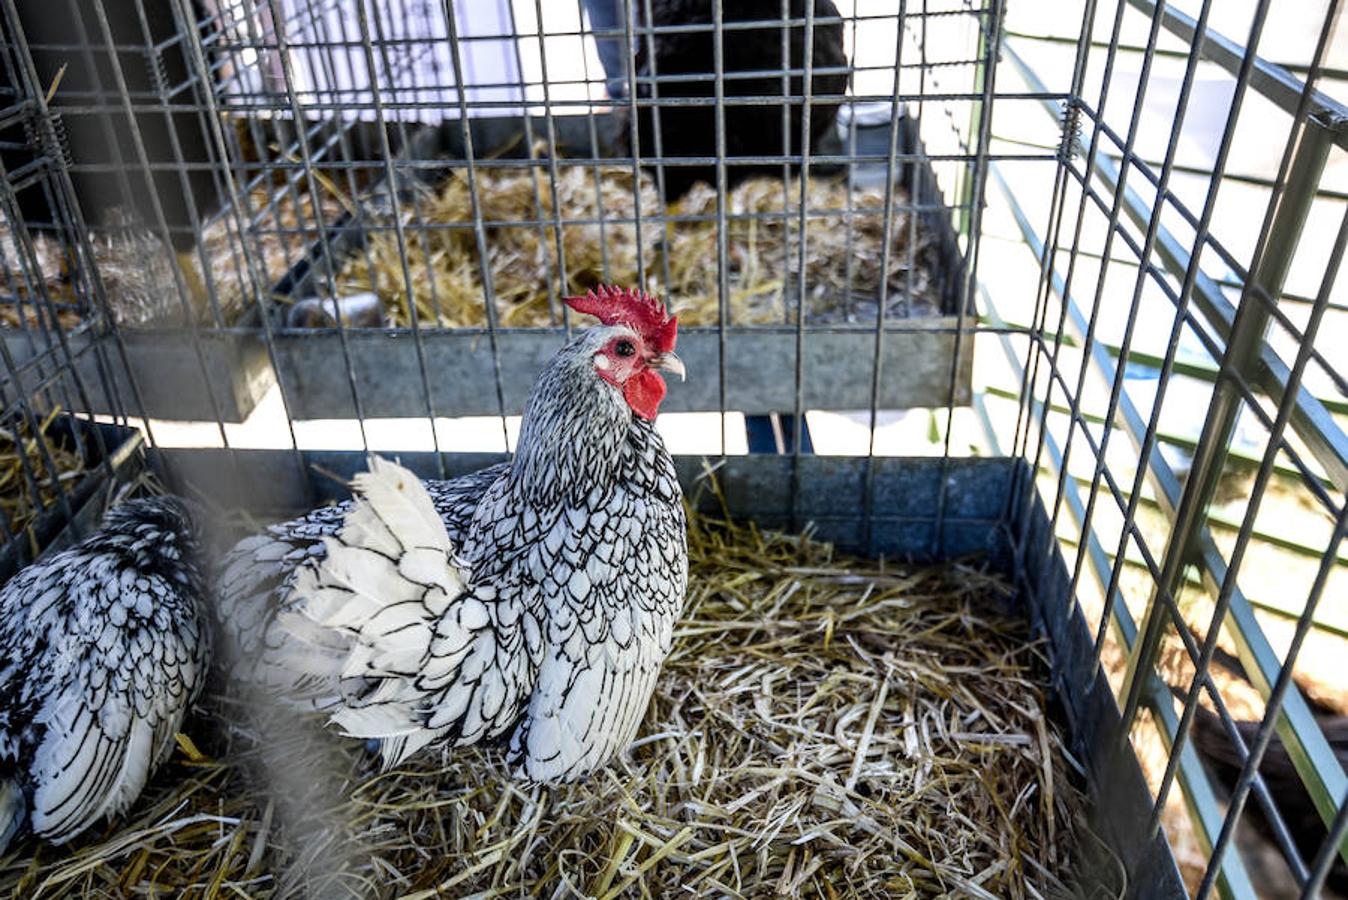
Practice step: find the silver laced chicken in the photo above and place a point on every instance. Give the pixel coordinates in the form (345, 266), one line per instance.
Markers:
(534, 600)
(103, 649)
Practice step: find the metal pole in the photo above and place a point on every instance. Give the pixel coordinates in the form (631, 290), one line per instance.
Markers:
(1241, 357)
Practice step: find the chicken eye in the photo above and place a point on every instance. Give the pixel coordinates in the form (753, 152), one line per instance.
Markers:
(624, 348)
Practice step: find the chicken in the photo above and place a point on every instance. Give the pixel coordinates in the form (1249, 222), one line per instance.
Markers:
(103, 648)
(751, 130)
(1304, 824)
(534, 600)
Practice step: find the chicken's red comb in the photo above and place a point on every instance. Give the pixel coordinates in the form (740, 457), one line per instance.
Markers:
(638, 310)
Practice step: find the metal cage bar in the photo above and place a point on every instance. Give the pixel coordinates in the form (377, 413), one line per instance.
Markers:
(327, 134)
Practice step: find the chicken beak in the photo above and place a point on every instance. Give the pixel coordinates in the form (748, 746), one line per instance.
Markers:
(670, 363)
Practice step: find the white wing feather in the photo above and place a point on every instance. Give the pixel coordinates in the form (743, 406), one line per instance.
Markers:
(600, 670)
(584, 712)
(83, 772)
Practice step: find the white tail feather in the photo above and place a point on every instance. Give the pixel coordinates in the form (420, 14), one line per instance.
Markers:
(397, 749)
(369, 609)
(400, 502)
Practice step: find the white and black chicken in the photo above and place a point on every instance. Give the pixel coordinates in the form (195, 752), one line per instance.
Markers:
(103, 647)
(535, 599)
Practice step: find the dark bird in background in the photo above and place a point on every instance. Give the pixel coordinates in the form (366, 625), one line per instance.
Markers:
(1304, 823)
(103, 648)
(112, 187)
(752, 62)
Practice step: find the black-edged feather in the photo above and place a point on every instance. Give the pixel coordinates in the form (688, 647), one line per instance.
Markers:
(104, 648)
(544, 610)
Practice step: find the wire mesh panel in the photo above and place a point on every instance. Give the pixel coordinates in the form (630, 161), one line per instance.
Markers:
(1184, 401)
(1101, 241)
(59, 471)
(197, 127)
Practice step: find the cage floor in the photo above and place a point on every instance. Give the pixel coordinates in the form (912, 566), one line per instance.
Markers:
(823, 727)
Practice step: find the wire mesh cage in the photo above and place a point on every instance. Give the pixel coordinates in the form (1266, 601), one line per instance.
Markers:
(1055, 288)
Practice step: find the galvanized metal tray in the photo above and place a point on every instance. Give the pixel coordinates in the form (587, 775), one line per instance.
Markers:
(929, 359)
(166, 373)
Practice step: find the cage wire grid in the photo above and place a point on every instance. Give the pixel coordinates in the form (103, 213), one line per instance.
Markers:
(318, 129)
(1280, 234)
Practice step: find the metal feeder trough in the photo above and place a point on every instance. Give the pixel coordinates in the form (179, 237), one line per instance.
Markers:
(936, 352)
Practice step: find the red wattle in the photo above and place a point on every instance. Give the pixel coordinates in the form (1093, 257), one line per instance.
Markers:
(643, 392)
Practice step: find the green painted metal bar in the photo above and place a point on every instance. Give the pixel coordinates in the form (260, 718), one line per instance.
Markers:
(1273, 81)
(1241, 459)
(1228, 523)
(1201, 371)
(1292, 68)
(966, 186)
(1133, 560)
(1250, 326)
(1312, 422)
(1325, 779)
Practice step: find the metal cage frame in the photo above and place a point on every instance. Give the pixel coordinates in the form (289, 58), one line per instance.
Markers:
(1109, 205)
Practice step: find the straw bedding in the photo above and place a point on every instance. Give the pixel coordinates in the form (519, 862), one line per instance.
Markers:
(842, 259)
(823, 727)
(27, 483)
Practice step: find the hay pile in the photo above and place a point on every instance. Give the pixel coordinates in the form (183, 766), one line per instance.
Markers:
(17, 307)
(763, 253)
(823, 727)
(135, 266)
(27, 485)
(843, 253)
